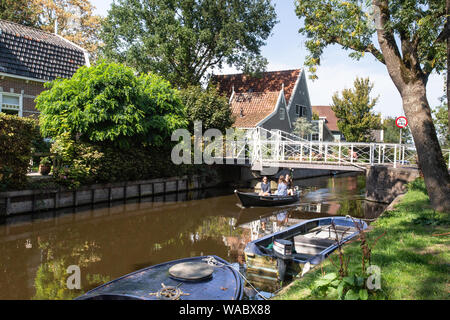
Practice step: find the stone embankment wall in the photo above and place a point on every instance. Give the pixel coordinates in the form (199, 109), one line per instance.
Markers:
(384, 184)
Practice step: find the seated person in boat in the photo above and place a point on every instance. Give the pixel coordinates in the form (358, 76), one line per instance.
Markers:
(290, 185)
(282, 186)
(265, 187)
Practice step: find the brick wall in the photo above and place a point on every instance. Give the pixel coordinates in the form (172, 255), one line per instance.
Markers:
(30, 90)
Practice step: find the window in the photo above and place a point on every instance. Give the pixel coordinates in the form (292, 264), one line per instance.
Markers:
(315, 137)
(300, 110)
(282, 114)
(10, 104)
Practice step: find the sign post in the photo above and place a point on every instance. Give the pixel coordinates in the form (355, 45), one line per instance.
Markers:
(401, 122)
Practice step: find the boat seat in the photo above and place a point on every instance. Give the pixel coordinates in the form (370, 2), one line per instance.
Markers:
(311, 246)
(323, 243)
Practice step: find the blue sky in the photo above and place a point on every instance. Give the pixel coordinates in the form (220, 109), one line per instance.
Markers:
(285, 50)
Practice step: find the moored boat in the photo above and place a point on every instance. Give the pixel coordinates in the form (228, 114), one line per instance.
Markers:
(196, 278)
(252, 199)
(294, 250)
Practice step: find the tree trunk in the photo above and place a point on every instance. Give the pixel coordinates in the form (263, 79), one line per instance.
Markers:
(435, 172)
(447, 10)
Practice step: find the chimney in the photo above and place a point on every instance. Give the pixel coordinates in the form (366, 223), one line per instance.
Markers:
(56, 26)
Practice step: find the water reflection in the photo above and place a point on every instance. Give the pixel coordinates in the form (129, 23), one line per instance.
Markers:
(111, 240)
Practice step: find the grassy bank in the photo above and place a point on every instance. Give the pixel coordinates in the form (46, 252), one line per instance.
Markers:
(413, 254)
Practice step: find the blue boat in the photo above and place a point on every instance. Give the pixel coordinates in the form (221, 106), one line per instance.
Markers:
(196, 278)
(294, 250)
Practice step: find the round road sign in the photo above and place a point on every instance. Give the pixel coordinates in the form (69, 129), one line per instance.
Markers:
(401, 122)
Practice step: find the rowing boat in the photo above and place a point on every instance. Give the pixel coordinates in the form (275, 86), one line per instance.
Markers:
(294, 250)
(252, 199)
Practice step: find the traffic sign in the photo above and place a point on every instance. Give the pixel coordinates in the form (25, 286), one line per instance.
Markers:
(401, 122)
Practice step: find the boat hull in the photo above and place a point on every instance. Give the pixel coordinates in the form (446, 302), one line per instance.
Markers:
(224, 284)
(255, 200)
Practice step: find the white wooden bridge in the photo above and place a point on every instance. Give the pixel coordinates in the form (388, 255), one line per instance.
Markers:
(261, 148)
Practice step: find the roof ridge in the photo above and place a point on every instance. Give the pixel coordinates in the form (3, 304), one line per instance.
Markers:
(264, 72)
(28, 27)
(262, 92)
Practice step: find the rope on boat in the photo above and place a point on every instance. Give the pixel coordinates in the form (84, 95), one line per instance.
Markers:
(210, 260)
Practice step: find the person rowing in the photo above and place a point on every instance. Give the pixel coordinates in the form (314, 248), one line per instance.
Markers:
(290, 185)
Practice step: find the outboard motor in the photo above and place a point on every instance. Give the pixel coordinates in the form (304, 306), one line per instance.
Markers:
(283, 251)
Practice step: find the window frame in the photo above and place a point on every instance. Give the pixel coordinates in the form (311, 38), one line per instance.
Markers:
(282, 114)
(301, 108)
(16, 95)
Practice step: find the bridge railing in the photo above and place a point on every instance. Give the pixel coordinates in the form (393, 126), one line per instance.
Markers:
(261, 145)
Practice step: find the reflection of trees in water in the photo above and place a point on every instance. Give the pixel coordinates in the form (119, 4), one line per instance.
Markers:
(51, 277)
(140, 240)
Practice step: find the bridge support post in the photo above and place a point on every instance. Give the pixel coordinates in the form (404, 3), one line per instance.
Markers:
(379, 153)
(340, 148)
(301, 152)
(351, 154)
(395, 156)
(310, 152)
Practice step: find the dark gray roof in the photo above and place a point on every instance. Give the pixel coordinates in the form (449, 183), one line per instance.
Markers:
(33, 53)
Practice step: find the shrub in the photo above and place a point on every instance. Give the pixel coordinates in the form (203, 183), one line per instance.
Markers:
(207, 106)
(81, 163)
(108, 103)
(418, 184)
(16, 138)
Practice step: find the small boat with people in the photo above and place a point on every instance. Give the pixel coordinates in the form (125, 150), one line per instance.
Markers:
(195, 278)
(296, 249)
(253, 199)
(285, 194)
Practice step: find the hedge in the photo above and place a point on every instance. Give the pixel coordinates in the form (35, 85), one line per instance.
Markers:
(16, 139)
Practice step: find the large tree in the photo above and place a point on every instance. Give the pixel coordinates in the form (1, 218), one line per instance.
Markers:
(109, 104)
(207, 106)
(409, 38)
(354, 110)
(19, 11)
(185, 39)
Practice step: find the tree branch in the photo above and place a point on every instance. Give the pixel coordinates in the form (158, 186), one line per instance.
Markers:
(391, 53)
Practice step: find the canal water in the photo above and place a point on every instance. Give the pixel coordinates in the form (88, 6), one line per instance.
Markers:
(111, 240)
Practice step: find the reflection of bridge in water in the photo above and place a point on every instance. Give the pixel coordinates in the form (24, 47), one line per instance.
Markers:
(261, 148)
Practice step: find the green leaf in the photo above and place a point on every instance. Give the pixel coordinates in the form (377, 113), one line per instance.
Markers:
(332, 292)
(340, 289)
(322, 282)
(330, 276)
(349, 280)
(351, 295)
(363, 294)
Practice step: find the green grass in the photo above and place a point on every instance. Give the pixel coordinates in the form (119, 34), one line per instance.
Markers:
(414, 261)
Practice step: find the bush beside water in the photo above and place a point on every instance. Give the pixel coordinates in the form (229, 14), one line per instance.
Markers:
(17, 137)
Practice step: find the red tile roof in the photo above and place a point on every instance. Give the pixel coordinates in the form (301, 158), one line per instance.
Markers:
(271, 81)
(250, 108)
(325, 111)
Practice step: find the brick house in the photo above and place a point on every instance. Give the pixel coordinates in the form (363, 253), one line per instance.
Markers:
(273, 100)
(30, 57)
